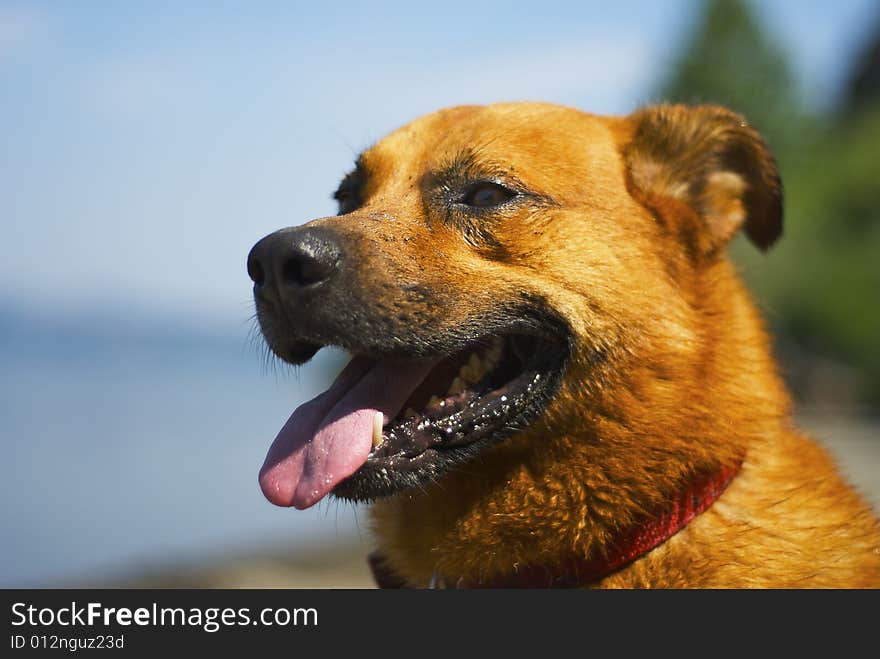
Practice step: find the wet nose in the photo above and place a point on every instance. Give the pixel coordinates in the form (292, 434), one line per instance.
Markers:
(294, 260)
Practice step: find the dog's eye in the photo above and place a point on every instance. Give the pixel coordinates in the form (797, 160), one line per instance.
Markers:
(487, 195)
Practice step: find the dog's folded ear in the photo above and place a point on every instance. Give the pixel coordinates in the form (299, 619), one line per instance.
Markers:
(709, 159)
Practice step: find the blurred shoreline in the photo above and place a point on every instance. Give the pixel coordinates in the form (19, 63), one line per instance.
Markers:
(334, 565)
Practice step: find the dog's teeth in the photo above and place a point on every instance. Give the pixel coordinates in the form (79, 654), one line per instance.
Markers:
(410, 413)
(473, 370)
(378, 419)
(434, 401)
(456, 387)
(493, 355)
(470, 374)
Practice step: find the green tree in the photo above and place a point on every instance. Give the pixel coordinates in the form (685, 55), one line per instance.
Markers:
(863, 87)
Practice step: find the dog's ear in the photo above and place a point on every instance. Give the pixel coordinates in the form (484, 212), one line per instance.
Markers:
(709, 159)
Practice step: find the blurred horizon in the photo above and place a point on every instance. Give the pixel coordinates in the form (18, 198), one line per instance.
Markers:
(148, 146)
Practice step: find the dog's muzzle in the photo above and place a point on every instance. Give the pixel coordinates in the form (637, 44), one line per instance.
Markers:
(419, 395)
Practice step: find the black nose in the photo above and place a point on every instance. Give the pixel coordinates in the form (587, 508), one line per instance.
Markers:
(294, 259)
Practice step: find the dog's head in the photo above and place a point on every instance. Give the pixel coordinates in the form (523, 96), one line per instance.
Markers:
(488, 266)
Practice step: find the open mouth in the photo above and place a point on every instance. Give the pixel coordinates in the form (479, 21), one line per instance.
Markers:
(386, 425)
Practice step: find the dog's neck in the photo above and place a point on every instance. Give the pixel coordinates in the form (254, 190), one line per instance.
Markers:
(575, 571)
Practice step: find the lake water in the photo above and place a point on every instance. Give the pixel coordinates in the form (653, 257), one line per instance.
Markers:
(129, 451)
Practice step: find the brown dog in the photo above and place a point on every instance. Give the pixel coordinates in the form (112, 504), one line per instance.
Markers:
(558, 378)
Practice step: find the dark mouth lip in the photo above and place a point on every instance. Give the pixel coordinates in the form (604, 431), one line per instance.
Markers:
(522, 373)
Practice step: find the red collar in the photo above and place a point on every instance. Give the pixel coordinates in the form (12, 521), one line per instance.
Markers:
(629, 544)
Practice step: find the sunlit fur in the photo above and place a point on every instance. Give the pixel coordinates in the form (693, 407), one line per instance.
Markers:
(672, 371)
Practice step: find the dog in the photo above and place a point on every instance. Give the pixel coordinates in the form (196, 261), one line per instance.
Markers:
(558, 379)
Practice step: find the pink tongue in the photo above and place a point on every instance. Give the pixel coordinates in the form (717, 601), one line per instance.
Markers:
(328, 438)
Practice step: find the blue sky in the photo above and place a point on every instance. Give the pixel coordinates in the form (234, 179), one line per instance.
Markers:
(146, 146)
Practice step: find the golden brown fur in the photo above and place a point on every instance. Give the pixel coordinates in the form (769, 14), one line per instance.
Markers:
(672, 371)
